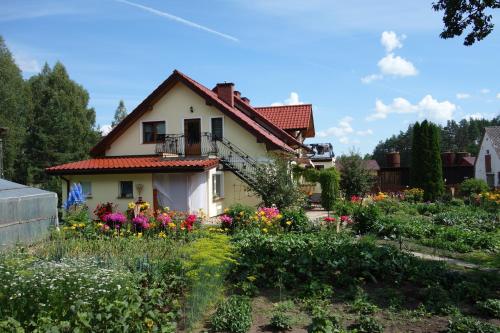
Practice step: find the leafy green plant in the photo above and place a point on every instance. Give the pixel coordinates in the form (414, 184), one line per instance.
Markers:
(234, 315)
(362, 306)
(295, 220)
(281, 319)
(241, 216)
(473, 186)
(355, 178)
(461, 324)
(323, 321)
(366, 324)
(365, 218)
(490, 307)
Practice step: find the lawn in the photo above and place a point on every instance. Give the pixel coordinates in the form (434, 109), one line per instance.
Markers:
(258, 270)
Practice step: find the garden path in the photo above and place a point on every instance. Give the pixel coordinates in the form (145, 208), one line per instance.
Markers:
(451, 261)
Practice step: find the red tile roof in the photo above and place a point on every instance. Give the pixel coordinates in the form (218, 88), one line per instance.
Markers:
(278, 138)
(289, 117)
(468, 161)
(128, 164)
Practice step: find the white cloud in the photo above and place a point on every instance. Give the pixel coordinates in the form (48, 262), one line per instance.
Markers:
(391, 41)
(391, 64)
(498, 95)
(397, 66)
(179, 20)
(292, 100)
(365, 132)
(370, 78)
(428, 107)
(463, 95)
(485, 91)
(343, 131)
(105, 129)
(26, 63)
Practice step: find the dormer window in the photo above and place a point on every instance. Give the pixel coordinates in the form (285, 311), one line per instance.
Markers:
(153, 131)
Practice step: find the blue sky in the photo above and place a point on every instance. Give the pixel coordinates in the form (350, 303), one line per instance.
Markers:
(368, 67)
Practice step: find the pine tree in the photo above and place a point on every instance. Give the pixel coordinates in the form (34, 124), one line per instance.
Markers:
(14, 104)
(436, 183)
(416, 153)
(120, 114)
(61, 127)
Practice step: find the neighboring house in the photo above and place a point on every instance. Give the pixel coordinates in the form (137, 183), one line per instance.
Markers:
(189, 148)
(487, 166)
(321, 157)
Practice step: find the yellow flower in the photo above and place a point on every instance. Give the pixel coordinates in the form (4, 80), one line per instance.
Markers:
(162, 234)
(264, 230)
(241, 213)
(149, 322)
(81, 225)
(131, 205)
(166, 208)
(279, 216)
(251, 278)
(171, 225)
(226, 210)
(139, 235)
(288, 222)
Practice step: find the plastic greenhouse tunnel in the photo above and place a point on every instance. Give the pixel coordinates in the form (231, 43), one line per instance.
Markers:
(26, 213)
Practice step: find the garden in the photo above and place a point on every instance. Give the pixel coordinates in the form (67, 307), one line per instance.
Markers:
(261, 269)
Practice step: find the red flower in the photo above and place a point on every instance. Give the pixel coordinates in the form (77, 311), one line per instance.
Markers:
(329, 219)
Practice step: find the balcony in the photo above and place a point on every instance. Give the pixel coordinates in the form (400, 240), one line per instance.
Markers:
(180, 145)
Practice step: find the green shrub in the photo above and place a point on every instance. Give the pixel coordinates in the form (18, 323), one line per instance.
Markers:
(362, 306)
(365, 218)
(281, 319)
(323, 321)
(295, 220)
(468, 218)
(233, 315)
(366, 324)
(462, 324)
(490, 307)
(329, 180)
(437, 300)
(241, 215)
(473, 186)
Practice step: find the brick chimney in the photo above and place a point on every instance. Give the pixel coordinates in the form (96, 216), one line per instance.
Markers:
(237, 93)
(225, 91)
(246, 100)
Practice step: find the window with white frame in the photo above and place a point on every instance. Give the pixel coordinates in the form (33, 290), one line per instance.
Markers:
(218, 184)
(86, 188)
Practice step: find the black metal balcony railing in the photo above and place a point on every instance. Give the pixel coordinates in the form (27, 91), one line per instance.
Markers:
(232, 157)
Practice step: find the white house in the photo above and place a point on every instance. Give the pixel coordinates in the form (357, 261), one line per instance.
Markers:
(188, 147)
(487, 166)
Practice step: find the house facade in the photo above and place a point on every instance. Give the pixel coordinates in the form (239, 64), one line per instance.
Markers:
(487, 166)
(187, 147)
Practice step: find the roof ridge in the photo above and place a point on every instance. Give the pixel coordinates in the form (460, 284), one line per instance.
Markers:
(282, 106)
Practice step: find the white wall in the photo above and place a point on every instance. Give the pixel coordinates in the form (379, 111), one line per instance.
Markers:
(480, 170)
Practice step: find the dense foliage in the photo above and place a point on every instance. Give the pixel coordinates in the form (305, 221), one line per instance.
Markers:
(233, 315)
(355, 178)
(329, 181)
(275, 184)
(470, 15)
(48, 118)
(426, 165)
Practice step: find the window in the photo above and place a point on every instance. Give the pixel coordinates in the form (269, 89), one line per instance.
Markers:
(153, 131)
(218, 185)
(217, 128)
(126, 189)
(319, 167)
(86, 189)
(487, 162)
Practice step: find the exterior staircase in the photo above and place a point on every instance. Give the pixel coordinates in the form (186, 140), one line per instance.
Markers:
(231, 156)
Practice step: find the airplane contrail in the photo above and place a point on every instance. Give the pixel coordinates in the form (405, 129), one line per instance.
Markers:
(179, 19)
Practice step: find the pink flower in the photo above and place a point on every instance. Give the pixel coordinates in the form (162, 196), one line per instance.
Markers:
(346, 219)
(115, 218)
(191, 219)
(226, 220)
(164, 219)
(141, 222)
(329, 219)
